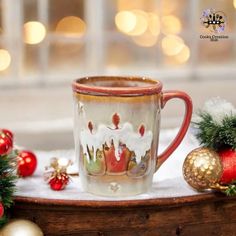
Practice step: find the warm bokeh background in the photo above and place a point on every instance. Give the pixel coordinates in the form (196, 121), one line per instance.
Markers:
(45, 44)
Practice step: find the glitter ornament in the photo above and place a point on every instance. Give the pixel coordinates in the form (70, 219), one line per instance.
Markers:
(202, 168)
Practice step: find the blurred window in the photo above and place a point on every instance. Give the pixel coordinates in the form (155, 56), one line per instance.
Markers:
(44, 41)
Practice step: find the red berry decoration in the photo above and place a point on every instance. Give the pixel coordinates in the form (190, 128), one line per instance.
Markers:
(6, 143)
(27, 163)
(1, 210)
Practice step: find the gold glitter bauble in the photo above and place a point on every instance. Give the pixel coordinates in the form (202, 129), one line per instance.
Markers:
(21, 228)
(202, 168)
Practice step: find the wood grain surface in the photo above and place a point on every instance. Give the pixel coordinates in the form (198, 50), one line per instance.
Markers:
(207, 214)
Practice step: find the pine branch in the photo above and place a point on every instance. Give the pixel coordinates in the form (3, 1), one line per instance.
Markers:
(7, 186)
(228, 131)
(216, 136)
(7, 181)
(231, 190)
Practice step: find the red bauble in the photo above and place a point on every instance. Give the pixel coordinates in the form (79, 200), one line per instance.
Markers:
(1, 210)
(8, 133)
(228, 159)
(27, 163)
(6, 143)
(58, 183)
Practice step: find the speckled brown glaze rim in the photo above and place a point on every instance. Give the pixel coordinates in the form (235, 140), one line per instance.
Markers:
(83, 85)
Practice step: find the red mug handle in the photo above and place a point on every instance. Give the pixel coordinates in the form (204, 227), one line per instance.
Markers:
(166, 96)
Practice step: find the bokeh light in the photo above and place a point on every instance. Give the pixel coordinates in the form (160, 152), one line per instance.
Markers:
(171, 25)
(234, 3)
(71, 26)
(5, 59)
(154, 24)
(172, 45)
(125, 21)
(34, 32)
(143, 27)
(141, 23)
(133, 22)
(145, 40)
(183, 56)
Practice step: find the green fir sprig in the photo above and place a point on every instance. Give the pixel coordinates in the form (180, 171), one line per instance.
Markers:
(215, 135)
(231, 189)
(7, 181)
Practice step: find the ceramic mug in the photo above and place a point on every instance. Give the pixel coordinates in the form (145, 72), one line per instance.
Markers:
(117, 124)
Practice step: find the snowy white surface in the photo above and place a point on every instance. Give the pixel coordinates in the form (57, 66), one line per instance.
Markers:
(167, 182)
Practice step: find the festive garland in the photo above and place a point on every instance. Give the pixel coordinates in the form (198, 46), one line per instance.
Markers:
(14, 163)
(7, 173)
(215, 129)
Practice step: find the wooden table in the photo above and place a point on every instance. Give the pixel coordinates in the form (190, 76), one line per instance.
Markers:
(206, 214)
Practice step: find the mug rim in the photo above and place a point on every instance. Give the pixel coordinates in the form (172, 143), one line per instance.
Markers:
(84, 86)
